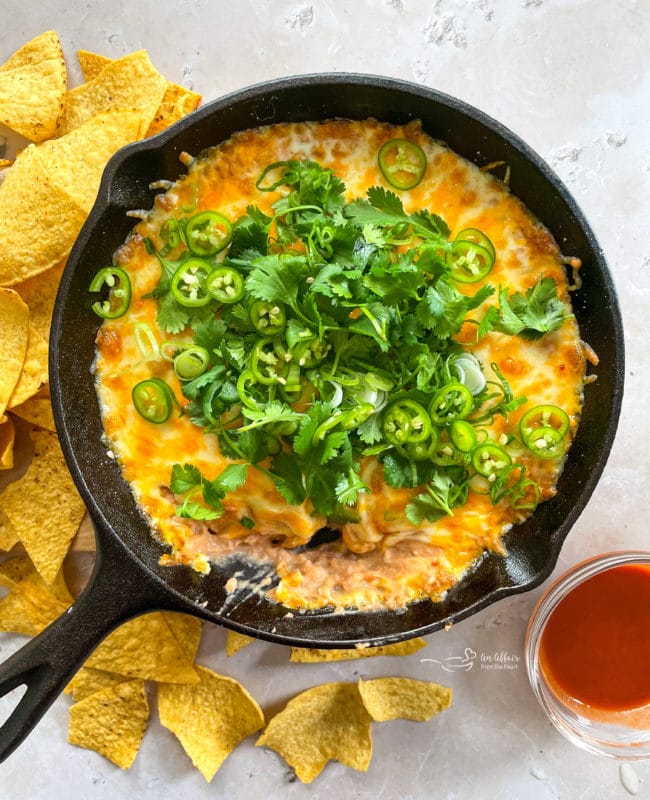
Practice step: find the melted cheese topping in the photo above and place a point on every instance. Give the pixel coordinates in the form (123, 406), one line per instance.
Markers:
(383, 560)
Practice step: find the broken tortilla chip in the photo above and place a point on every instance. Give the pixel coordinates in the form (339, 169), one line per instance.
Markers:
(177, 102)
(88, 681)
(75, 162)
(38, 227)
(209, 718)
(34, 375)
(187, 630)
(306, 655)
(403, 698)
(8, 534)
(147, 648)
(31, 604)
(37, 410)
(14, 337)
(130, 82)
(7, 438)
(112, 722)
(40, 293)
(44, 506)
(327, 722)
(236, 641)
(32, 88)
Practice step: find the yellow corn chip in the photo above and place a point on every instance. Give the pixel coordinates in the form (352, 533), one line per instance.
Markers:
(7, 437)
(88, 681)
(75, 162)
(32, 88)
(130, 82)
(91, 63)
(37, 227)
(145, 648)
(403, 698)
(14, 617)
(40, 293)
(31, 604)
(8, 534)
(44, 506)
(37, 410)
(187, 630)
(112, 722)
(323, 723)
(14, 570)
(4, 163)
(307, 655)
(210, 718)
(35, 373)
(177, 102)
(14, 336)
(236, 641)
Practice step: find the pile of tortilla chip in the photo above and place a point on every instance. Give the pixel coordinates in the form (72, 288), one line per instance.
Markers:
(45, 197)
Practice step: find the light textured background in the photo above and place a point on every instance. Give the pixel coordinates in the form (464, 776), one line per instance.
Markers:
(571, 78)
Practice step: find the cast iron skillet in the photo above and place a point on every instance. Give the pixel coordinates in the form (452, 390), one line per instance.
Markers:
(128, 579)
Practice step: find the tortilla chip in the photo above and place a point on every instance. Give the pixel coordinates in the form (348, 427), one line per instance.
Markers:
(307, 655)
(112, 722)
(88, 681)
(130, 82)
(7, 437)
(31, 605)
(403, 698)
(84, 541)
(37, 227)
(37, 410)
(236, 641)
(44, 506)
(177, 102)
(91, 64)
(32, 88)
(75, 162)
(14, 337)
(323, 723)
(8, 534)
(210, 718)
(40, 293)
(145, 648)
(5, 162)
(35, 373)
(187, 630)
(14, 571)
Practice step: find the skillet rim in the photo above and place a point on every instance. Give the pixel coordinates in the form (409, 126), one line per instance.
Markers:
(264, 91)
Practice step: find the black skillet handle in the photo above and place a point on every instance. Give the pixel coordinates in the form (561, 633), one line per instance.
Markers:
(118, 590)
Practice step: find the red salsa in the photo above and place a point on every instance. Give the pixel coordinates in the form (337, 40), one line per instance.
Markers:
(595, 647)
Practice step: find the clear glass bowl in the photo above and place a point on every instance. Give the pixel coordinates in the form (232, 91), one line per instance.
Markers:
(595, 730)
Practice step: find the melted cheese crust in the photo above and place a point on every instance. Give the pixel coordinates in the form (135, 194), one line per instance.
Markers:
(382, 560)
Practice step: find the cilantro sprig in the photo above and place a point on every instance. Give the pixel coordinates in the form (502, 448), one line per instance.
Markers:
(343, 347)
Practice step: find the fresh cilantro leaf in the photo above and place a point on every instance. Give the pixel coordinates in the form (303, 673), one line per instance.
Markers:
(370, 430)
(276, 279)
(315, 416)
(443, 308)
(171, 316)
(432, 222)
(385, 200)
(192, 389)
(329, 447)
(287, 477)
(530, 315)
(422, 507)
(350, 487)
(274, 411)
(209, 333)
(196, 511)
(185, 478)
(228, 480)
